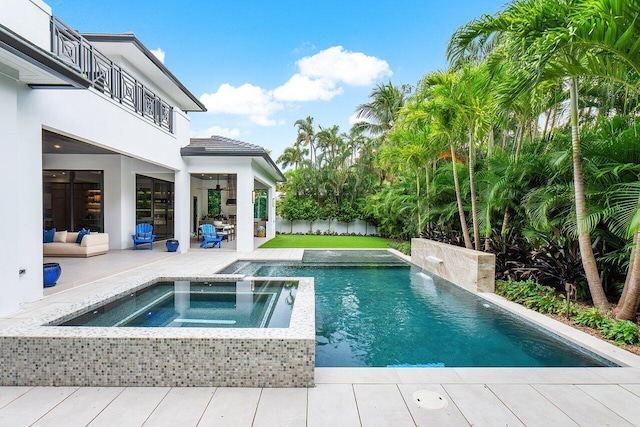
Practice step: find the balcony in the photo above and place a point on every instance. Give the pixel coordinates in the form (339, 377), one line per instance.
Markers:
(107, 77)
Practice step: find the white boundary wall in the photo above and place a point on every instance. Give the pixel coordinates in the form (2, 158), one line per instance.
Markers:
(357, 227)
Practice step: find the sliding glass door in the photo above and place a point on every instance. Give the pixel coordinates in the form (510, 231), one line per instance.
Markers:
(154, 205)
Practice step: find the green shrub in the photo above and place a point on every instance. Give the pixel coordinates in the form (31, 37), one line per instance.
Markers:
(621, 331)
(592, 318)
(531, 295)
(404, 247)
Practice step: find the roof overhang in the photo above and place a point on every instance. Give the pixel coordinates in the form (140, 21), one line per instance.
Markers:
(221, 147)
(23, 61)
(129, 47)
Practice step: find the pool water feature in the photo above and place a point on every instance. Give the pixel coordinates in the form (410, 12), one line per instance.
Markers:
(396, 315)
(180, 304)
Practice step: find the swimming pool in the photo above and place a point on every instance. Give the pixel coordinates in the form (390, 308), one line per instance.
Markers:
(393, 314)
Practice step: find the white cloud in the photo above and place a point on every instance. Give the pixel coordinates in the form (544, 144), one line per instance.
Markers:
(303, 88)
(216, 130)
(248, 100)
(320, 77)
(159, 53)
(339, 65)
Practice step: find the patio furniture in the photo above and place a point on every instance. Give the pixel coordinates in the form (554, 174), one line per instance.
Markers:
(226, 230)
(144, 234)
(66, 245)
(209, 235)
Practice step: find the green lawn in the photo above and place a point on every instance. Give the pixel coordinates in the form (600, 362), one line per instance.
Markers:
(334, 242)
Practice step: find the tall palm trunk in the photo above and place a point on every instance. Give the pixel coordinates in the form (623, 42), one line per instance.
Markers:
(472, 184)
(426, 171)
(418, 201)
(630, 298)
(584, 236)
(463, 219)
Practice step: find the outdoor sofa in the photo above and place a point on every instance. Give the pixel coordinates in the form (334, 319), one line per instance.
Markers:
(64, 244)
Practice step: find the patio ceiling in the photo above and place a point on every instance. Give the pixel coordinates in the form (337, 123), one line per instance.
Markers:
(54, 143)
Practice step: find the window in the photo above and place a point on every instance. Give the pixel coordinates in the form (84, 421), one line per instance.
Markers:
(260, 205)
(72, 200)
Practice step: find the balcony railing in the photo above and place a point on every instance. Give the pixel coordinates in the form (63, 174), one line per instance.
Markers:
(107, 77)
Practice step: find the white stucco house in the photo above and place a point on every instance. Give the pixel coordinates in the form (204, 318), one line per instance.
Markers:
(95, 134)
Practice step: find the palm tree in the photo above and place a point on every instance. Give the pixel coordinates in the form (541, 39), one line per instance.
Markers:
(307, 136)
(292, 156)
(378, 116)
(551, 40)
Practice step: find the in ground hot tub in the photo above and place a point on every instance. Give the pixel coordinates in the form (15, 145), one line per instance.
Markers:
(173, 332)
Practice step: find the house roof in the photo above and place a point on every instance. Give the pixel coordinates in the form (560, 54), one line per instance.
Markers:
(220, 146)
(30, 64)
(128, 46)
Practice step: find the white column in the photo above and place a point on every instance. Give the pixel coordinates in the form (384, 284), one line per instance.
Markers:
(182, 208)
(244, 210)
(271, 212)
(29, 201)
(10, 189)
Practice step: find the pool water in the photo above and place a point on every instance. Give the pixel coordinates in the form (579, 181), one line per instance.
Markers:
(179, 304)
(397, 315)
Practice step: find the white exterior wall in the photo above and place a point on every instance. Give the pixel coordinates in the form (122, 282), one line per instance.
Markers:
(89, 117)
(13, 283)
(29, 19)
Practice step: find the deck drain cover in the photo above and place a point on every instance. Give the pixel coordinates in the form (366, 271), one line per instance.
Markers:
(429, 399)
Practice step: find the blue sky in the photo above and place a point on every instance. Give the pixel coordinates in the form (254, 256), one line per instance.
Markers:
(261, 65)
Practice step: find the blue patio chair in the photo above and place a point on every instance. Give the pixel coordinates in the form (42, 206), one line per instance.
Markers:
(144, 234)
(209, 235)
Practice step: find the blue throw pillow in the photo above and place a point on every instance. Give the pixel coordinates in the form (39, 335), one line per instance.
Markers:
(81, 234)
(48, 235)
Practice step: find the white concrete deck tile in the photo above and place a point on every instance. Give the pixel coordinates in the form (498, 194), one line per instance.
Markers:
(530, 375)
(32, 405)
(9, 394)
(80, 408)
(428, 375)
(356, 375)
(232, 407)
(617, 399)
(530, 406)
(480, 406)
(619, 375)
(181, 407)
(447, 417)
(382, 405)
(282, 407)
(131, 408)
(581, 407)
(633, 388)
(332, 405)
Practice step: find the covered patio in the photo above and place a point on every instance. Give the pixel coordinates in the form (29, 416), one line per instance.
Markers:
(229, 180)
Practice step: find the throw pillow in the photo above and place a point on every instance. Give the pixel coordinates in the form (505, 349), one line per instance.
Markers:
(60, 236)
(81, 234)
(47, 235)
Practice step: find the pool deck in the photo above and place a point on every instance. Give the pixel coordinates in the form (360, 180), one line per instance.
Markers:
(342, 396)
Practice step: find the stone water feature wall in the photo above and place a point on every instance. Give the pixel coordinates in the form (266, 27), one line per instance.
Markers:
(469, 269)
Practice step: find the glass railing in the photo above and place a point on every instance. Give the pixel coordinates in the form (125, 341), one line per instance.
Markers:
(107, 77)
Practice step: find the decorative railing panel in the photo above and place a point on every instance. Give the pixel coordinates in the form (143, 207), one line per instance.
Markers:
(107, 77)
